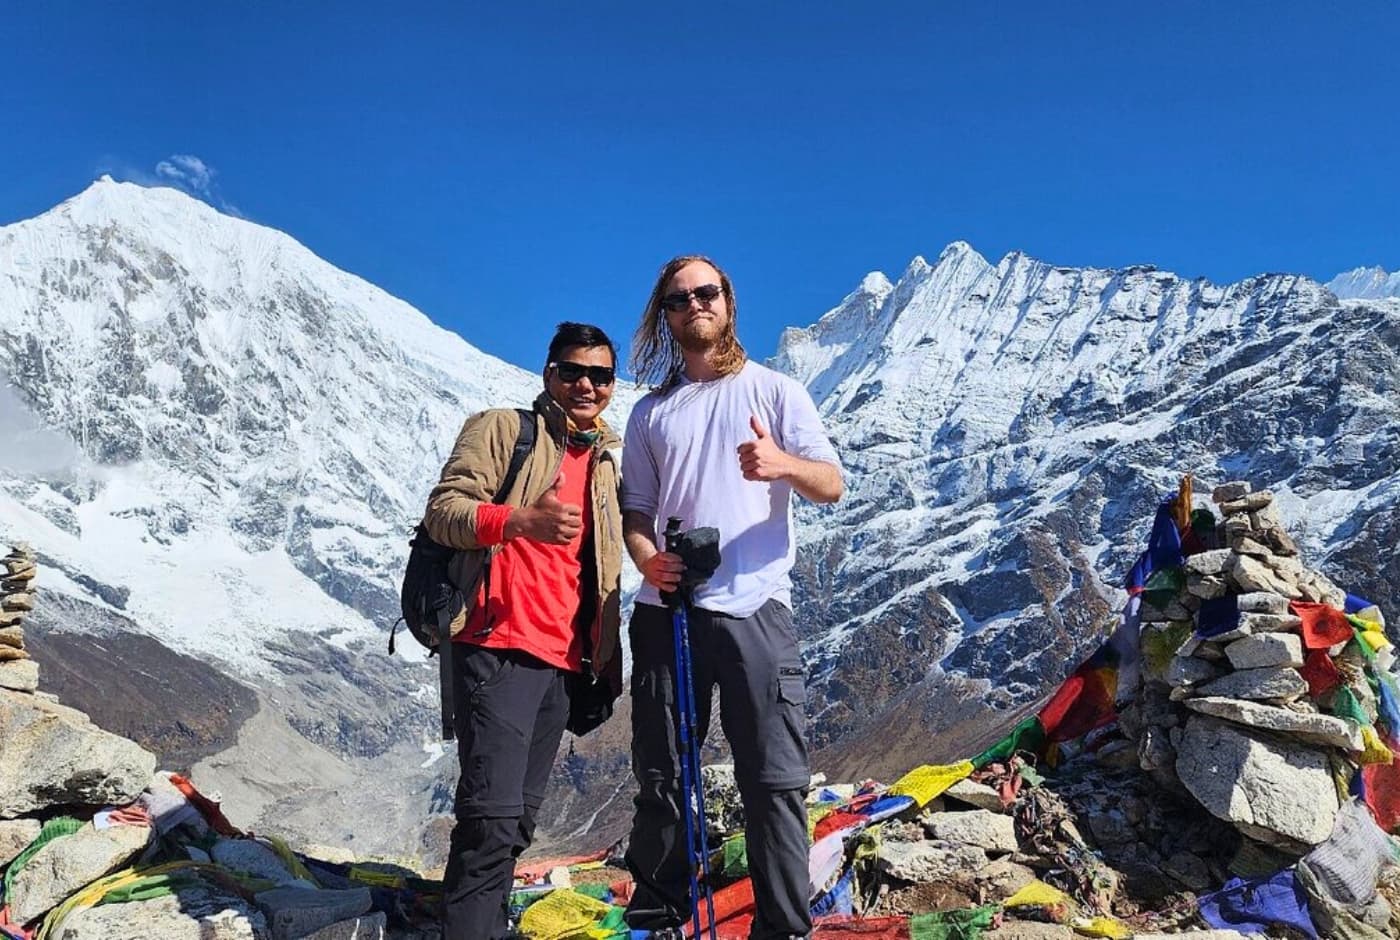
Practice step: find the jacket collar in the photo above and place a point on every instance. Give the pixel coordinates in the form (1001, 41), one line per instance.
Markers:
(557, 422)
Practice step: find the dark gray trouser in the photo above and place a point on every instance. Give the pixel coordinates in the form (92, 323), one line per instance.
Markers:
(758, 667)
(510, 711)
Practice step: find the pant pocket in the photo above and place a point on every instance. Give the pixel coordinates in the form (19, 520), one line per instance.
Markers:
(792, 686)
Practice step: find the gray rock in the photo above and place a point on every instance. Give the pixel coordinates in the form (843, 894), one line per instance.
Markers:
(1271, 682)
(1266, 649)
(1190, 870)
(1237, 526)
(1208, 563)
(1188, 670)
(21, 675)
(1325, 730)
(1266, 517)
(15, 836)
(1245, 545)
(974, 794)
(1271, 790)
(999, 878)
(992, 832)
(1262, 602)
(1280, 541)
(1112, 828)
(198, 912)
(1271, 623)
(920, 862)
(1207, 587)
(1196, 935)
(251, 857)
(1251, 503)
(368, 927)
(64, 865)
(294, 912)
(1251, 574)
(56, 755)
(21, 601)
(1229, 492)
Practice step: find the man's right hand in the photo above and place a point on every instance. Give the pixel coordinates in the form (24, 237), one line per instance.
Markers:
(548, 520)
(663, 571)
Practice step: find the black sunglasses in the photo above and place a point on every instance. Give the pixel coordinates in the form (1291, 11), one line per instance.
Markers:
(680, 300)
(571, 372)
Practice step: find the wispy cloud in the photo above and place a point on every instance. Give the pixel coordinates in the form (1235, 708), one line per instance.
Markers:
(187, 172)
(183, 171)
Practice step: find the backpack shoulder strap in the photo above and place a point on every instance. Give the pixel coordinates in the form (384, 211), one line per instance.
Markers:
(524, 443)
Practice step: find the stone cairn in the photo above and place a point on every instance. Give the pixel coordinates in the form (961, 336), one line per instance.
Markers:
(17, 670)
(1225, 713)
(81, 809)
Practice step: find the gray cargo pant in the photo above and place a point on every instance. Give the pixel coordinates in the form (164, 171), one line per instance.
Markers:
(510, 714)
(757, 665)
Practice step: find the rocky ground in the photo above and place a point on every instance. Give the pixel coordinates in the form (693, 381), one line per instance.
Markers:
(1249, 702)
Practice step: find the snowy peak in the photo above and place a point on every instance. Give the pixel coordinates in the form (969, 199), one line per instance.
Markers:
(265, 424)
(1371, 283)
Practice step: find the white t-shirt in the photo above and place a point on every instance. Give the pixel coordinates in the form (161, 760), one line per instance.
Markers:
(680, 458)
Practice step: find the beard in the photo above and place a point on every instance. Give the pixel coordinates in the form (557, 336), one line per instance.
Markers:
(701, 334)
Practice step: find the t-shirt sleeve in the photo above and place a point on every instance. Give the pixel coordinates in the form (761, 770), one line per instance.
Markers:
(641, 481)
(800, 430)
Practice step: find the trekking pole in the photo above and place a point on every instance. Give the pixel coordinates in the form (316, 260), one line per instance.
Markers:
(692, 787)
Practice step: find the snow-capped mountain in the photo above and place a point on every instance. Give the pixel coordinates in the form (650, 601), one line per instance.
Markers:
(1005, 427)
(218, 439)
(1365, 284)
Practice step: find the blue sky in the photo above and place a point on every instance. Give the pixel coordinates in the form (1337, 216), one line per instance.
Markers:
(506, 166)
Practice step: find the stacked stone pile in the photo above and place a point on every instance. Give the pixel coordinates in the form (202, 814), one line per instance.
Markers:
(95, 845)
(17, 670)
(1225, 709)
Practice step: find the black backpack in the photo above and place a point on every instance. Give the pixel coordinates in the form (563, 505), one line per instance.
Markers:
(429, 599)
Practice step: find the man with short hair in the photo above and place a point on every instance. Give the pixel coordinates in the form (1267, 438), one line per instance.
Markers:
(720, 441)
(541, 572)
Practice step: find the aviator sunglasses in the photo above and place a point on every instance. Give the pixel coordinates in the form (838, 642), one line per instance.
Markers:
(680, 300)
(571, 372)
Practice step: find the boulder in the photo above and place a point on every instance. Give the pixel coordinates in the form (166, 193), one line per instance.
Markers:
(1250, 503)
(1229, 492)
(21, 602)
(1266, 649)
(21, 675)
(252, 858)
(1189, 670)
(975, 794)
(293, 912)
(1251, 574)
(991, 832)
(1208, 563)
(1207, 587)
(1271, 623)
(1245, 545)
(195, 912)
(1272, 790)
(12, 636)
(1271, 682)
(1262, 602)
(15, 836)
(56, 755)
(920, 862)
(68, 863)
(1324, 730)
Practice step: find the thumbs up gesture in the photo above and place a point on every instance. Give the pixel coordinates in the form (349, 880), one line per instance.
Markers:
(761, 459)
(548, 520)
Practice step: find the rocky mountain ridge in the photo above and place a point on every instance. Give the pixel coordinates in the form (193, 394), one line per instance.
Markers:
(226, 441)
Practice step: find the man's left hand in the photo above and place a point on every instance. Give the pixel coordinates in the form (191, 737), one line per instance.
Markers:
(760, 459)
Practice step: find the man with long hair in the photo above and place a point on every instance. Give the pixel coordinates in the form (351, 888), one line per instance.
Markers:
(720, 441)
(541, 569)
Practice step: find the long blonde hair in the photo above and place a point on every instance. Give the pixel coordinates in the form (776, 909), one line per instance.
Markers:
(657, 359)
